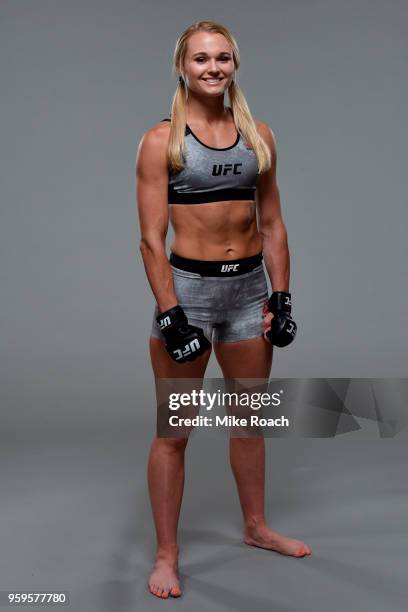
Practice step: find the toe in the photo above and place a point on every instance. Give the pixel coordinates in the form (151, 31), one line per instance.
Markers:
(175, 591)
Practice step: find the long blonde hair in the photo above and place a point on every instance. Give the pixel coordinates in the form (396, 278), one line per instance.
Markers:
(243, 119)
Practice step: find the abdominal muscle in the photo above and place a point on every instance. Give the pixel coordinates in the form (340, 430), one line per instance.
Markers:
(216, 231)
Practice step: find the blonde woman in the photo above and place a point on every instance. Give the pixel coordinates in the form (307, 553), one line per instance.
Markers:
(208, 168)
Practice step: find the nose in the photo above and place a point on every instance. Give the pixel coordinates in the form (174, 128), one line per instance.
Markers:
(213, 69)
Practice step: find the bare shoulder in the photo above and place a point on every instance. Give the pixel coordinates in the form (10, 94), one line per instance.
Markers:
(267, 134)
(161, 128)
(153, 144)
(156, 136)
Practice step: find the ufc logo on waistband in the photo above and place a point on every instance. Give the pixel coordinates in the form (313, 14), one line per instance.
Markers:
(191, 347)
(164, 322)
(287, 301)
(229, 267)
(224, 169)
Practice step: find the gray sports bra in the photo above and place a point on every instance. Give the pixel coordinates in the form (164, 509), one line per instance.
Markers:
(212, 175)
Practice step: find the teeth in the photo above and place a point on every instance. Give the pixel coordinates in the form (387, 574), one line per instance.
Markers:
(212, 80)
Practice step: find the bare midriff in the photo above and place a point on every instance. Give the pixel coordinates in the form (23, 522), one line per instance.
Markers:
(215, 231)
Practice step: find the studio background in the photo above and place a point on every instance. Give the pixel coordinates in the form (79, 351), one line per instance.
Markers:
(81, 83)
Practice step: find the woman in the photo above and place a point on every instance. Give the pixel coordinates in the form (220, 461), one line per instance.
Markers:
(213, 291)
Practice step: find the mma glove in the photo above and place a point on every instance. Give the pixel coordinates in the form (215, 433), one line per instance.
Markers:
(184, 342)
(283, 327)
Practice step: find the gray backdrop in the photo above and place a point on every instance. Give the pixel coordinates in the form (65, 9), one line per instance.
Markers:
(80, 83)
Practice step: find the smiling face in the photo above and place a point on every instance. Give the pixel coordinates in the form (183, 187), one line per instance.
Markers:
(208, 64)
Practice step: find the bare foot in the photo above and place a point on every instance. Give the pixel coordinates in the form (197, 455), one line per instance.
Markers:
(164, 580)
(262, 536)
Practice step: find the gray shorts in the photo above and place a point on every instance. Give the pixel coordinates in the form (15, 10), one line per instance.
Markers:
(227, 308)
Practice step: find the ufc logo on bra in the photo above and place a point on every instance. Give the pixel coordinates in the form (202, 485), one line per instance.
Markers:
(229, 267)
(223, 169)
(191, 347)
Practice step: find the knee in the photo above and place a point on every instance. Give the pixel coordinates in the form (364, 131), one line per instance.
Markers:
(171, 445)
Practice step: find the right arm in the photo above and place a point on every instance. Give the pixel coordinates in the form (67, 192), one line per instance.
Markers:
(152, 204)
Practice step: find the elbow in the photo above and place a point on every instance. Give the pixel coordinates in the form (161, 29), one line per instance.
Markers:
(150, 245)
(275, 230)
(145, 246)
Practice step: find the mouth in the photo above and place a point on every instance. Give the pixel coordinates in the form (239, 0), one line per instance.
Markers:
(213, 81)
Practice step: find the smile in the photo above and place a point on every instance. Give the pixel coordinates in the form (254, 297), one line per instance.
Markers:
(213, 81)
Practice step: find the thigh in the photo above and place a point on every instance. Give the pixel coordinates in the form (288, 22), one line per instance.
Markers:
(243, 317)
(165, 367)
(245, 358)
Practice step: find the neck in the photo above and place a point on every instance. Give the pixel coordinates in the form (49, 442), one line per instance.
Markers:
(209, 111)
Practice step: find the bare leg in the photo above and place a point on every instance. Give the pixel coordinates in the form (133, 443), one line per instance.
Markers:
(166, 478)
(253, 359)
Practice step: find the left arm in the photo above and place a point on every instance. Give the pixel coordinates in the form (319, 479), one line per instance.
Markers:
(271, 226)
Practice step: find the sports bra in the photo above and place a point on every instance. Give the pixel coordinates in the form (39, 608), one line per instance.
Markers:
(213, 175)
